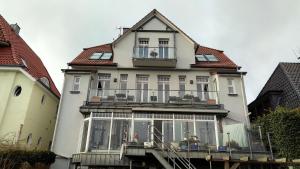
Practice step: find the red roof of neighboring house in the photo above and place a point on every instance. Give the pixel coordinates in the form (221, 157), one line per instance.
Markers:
(224, 61)
(17, 50)
(84, 57)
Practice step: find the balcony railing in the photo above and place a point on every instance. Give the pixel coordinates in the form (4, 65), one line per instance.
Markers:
(153, 96)
(154, 56)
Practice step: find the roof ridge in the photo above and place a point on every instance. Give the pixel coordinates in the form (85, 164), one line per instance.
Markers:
(211, 48)
(97, 46)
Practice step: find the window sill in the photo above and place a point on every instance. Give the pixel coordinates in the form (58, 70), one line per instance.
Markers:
(232, 94)
(74, 92)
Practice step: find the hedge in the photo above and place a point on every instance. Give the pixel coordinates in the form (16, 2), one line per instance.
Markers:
(18, 157)
(284, 127)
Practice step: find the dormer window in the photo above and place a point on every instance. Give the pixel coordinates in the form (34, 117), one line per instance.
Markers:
(45, 81)
(206, 58)
(101, 56)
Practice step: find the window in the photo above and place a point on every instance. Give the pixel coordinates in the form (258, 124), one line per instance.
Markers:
(43, 99)
(99, 136)
(45, 81)
(101, 56)
(123, 83)
(76, 83)
(103, 84)
(202, 87)
(231, 86)
(29, 139)
(163, 48)
(206, 57)
(181, 86)
(84, 135)
(143, 47)
(163, 88)
(17, 91)
(142, 88)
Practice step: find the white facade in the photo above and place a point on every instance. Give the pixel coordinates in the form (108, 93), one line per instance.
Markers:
(150, 89)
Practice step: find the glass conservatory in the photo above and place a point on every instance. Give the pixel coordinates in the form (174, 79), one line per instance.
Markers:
(106, 132)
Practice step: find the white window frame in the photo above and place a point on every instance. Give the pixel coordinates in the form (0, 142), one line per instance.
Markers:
(76, 81)
(230, 83)
(142, 79)
(164, 46)
(202, 93)
(123, 80)
(143, 47)
(163, 80)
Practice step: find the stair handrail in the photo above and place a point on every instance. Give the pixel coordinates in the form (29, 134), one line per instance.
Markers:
(184, 161)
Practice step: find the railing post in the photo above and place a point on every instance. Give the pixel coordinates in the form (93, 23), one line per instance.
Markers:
(229, 146)
(270, 145)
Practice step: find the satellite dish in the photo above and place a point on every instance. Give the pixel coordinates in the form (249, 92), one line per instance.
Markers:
(153, 54)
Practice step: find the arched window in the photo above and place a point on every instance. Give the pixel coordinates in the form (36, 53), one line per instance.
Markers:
(17, 91)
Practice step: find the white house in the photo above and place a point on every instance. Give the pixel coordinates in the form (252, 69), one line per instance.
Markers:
(152, 80)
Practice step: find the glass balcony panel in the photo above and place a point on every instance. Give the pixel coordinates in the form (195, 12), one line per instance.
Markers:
(99, 136)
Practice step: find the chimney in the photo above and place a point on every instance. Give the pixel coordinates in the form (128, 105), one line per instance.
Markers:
(15, 27)
(125, 30)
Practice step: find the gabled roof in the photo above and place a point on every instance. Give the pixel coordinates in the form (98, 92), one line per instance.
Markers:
(12, 55)
(292, 73)
(223, 60)
(148, 17)
(84, 57)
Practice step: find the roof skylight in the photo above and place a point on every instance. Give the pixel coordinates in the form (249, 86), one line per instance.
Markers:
(101, 56)
(206, 57)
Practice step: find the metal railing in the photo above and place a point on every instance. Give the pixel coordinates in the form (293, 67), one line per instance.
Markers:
(171, 153)
(153, 96)
(154, 52)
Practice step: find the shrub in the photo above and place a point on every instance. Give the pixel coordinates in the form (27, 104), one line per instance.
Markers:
(284, 126)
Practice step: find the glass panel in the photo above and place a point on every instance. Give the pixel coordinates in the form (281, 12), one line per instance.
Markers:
(138, 92)
(146, 52)
(99, 135)
(200, 58)
(166, 52)
(140, 52)
(145, 92)
(160, 92)
(205, 132)
(141, 131)
(120, 133)
(161, 52)
(183, 130)
(181, 90)
(106, 56)
(168, 131)
(167, 93)
(96, 56)
(211, 58)
(84, 135)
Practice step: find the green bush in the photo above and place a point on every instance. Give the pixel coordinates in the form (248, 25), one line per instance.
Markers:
(16, 158)
(284, 126)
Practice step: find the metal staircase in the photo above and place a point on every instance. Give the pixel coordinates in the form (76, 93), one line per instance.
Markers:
(173, 158)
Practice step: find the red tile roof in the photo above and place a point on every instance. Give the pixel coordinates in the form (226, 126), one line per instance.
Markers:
(84, 57)
(18, 50)
(224, 61)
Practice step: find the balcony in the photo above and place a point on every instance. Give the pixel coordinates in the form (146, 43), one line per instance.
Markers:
(140, 96)
(154, 57)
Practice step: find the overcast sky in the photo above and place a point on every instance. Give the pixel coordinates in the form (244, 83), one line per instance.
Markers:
(255, 34)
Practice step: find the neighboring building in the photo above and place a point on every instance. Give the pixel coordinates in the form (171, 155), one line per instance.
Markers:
(29, 98)
(152, 75)
(282, 89)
